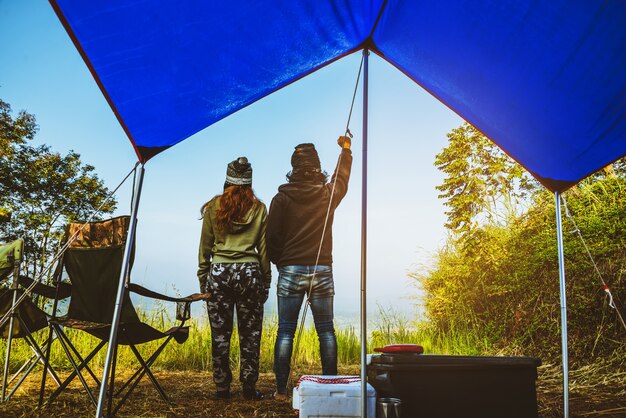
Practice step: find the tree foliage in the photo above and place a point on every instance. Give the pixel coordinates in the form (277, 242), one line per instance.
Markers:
(41, 190)
(506, 288)
(482, 184)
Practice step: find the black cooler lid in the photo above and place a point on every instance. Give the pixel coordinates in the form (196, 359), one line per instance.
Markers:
(453, 361)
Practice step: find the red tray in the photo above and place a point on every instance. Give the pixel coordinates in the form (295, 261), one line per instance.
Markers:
(401, 348)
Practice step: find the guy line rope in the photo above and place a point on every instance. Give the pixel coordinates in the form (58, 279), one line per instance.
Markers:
(319, 249)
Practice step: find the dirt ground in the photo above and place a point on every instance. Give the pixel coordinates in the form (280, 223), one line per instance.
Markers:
(192, 393)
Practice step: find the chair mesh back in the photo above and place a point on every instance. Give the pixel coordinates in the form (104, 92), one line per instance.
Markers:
(93, 263)
(33, 317)
(9, 254)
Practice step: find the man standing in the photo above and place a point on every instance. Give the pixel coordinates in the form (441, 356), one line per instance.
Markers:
(299, 242)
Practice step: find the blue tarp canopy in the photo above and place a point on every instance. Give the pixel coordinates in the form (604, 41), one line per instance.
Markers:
(544, 79)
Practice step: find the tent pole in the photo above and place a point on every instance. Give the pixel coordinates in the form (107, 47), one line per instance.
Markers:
(125, 272)
(559, 228)
(364, 242)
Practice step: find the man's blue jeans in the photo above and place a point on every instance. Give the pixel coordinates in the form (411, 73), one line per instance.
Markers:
(293, 283)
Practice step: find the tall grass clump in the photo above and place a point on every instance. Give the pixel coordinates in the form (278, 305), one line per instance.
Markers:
(394, 328)
(195, 353)
(504, 289)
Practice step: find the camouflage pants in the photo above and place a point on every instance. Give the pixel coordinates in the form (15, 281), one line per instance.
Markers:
(240, 286)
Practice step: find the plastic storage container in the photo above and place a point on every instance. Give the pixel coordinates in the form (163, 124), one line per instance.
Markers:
(457, 386)
(318, 397)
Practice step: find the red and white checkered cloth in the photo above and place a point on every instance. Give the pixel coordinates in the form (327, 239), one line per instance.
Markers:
(329, 380)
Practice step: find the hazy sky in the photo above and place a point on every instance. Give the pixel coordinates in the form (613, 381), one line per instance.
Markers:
(41, 72)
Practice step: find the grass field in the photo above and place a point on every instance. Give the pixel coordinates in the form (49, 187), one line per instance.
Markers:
(195, 353)
(184, 370)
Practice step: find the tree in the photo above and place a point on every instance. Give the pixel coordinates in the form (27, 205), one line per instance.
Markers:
(13, 133)
(482, 183)
(41, 190)
(497, 278)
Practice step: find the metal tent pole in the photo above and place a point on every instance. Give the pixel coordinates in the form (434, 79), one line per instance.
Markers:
(559, 228)
(364, 242)
(120, 293)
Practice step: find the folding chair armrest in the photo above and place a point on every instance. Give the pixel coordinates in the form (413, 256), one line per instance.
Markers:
(140, 290)
(50, 292)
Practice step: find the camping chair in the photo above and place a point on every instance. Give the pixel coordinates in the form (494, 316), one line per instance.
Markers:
(93, 262)
(26, 317)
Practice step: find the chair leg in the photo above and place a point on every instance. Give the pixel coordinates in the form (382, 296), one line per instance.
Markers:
(78, 356)
(43, 361)
(28, 366)
(147, 370)
(31, 366)
(5, 373)
(30, 363)
(111, 389)
(140, 371)
(77, 368)
(144, 369)
(39, 352)
(42, 388)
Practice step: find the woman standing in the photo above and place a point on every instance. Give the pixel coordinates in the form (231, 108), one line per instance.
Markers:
(234, 268)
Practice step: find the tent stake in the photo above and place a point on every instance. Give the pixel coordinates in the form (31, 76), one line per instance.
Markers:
(559, 228)
(364, 242)
(125, 273)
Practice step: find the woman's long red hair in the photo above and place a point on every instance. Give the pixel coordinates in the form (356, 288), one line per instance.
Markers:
(234, 205)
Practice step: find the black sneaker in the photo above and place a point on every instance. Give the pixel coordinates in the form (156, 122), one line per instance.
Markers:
(281, 395)
(253, 395)
(222, 394)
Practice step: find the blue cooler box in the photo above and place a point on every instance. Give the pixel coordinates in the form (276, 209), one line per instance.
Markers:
(457, 386)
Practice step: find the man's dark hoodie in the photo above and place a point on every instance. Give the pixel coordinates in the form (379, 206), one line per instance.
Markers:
(297, 214)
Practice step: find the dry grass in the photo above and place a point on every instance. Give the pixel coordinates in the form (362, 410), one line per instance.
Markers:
(191, 392)
(184, 370)
(596, 391)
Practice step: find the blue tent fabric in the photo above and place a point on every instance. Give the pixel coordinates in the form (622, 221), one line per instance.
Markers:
(543, 79)
(170, 69)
